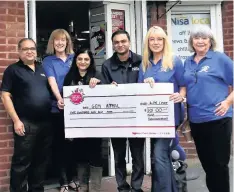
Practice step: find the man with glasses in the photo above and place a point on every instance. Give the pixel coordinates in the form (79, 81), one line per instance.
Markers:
(123, 68)
(26, 97)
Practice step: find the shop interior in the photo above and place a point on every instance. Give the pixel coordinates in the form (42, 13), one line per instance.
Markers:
(72, 16)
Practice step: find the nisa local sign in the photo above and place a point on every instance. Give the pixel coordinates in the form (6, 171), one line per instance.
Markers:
(183, 20)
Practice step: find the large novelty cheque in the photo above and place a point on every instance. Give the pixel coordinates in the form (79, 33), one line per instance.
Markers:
(126, 110)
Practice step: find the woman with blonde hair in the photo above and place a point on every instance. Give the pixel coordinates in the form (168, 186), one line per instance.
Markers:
(56, 66)
(160, 65)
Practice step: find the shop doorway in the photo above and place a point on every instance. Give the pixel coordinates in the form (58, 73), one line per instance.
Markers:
(90, 24)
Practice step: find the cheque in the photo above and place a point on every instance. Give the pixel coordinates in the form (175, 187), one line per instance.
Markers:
(129, 110)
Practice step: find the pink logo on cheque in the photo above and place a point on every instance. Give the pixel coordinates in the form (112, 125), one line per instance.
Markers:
(77, 96)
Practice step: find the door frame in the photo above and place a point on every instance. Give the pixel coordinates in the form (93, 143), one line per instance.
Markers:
(131, 22)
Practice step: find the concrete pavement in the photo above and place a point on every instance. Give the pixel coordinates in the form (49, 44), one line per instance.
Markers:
(194, 170)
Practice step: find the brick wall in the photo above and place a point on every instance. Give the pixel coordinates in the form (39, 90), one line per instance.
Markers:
(227, 16)
(155, 12)
(12, 27)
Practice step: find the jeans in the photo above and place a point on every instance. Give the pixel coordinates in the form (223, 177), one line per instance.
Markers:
(30, 157)
(213, 144)
(163, 179)
(137, 148)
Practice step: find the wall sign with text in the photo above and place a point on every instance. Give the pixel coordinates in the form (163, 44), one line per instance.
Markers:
(181, 24)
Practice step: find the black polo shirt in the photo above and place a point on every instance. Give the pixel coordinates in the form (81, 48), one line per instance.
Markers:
(30, 90)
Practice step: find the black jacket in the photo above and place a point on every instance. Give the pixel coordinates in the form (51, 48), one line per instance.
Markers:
(114, 70)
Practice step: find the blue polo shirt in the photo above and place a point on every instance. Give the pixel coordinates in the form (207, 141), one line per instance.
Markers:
(174, 76)
(57, 68)
(207, 84)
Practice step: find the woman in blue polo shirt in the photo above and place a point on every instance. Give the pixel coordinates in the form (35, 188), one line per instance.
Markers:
(208, 76)
(56, 67)
(159, 65)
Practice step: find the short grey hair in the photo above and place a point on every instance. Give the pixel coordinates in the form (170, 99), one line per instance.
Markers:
(201, 31)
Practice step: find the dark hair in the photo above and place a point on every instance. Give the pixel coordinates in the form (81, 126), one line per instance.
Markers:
(73, 76)
(118, 32)
(25, 39)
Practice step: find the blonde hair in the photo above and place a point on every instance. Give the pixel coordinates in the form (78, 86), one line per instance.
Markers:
(58, 33)
(167, 60)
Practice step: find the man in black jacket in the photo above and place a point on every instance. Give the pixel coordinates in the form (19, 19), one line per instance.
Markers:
(123, 68)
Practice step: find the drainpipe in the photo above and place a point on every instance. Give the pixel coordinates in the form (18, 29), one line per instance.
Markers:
(144, 31)
(26, 17)
(32, 20)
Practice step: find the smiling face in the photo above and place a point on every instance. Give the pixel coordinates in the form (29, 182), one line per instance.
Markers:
(201, 44)
(83, 61)
(60, 44)
(28, 52)
(121, 44)
(156, 43)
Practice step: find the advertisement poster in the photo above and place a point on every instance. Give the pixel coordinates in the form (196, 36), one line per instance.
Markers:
(118, 19)
(181, 24)
(97, 43)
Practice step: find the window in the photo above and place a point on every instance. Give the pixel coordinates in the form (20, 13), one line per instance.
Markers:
(181, 24)
(182, 17)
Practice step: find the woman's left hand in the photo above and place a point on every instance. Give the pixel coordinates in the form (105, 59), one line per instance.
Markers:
(222, 108)
(176, 97)
(93, 82)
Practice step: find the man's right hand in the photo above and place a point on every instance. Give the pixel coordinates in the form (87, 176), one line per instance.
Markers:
(19, 128)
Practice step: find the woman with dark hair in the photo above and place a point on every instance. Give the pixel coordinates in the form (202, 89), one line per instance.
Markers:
(83, 72)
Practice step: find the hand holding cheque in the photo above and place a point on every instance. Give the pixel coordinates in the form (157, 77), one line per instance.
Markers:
(129, 110)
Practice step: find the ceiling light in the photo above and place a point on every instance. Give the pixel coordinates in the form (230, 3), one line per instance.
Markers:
(81, 39)
(85, 32)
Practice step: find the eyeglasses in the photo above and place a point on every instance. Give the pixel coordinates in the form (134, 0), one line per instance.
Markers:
(26, 49)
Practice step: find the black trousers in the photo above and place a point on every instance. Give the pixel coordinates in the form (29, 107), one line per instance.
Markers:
(30, 157)
(137, 149)
(213, 143)
(64, 151)
(89, 151)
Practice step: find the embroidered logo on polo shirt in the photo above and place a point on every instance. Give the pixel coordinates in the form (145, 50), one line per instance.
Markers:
(70, 63)
(204, 69)
(135, 69)
(42, 74)
(163, 69)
